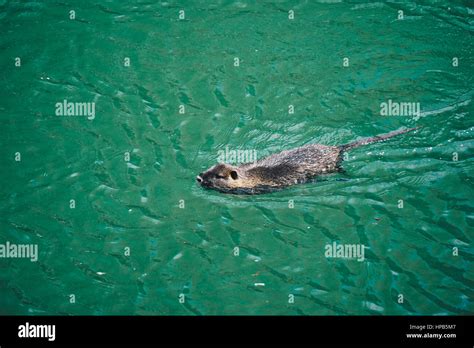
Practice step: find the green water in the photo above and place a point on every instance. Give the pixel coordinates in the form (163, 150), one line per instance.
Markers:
(181, 239)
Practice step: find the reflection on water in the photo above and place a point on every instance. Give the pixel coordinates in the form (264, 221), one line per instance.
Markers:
(143, 238)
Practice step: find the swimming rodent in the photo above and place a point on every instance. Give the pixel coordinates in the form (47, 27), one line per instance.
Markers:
(283, 169)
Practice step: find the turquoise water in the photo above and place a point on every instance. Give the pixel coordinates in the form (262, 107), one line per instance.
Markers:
(142, 234)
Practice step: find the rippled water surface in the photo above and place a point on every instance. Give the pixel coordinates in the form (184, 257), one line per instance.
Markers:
(182, 238)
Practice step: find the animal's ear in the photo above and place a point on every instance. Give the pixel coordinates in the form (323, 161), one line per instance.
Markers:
(233, 174)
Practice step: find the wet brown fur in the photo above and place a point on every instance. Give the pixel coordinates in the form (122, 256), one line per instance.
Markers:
(283, 169)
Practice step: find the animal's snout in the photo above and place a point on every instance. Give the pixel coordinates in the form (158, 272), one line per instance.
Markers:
(198, 178)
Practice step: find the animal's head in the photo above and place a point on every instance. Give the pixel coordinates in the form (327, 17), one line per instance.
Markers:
(221, 177)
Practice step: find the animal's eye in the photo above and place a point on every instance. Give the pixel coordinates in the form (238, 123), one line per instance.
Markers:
(220, 176)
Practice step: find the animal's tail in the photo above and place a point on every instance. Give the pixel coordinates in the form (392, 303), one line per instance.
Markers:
(375, 139)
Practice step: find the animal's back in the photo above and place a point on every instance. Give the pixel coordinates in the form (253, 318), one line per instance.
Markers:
(296, 165)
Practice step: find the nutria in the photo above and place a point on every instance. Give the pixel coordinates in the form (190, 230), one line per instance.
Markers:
(282, 169)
